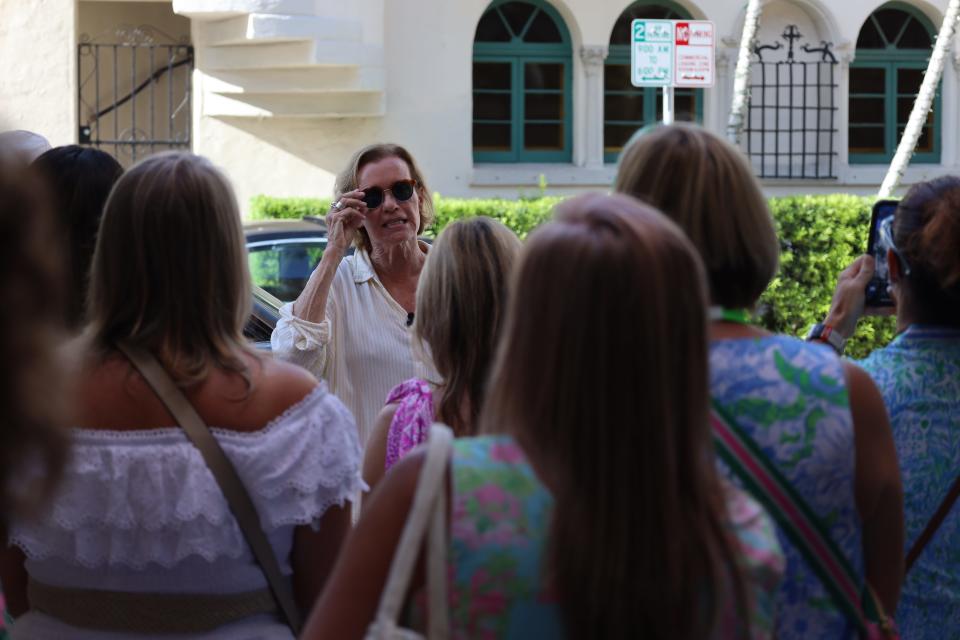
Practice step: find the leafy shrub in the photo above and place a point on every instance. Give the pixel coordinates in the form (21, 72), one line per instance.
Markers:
(819, 237)
(522, 216)
(268, 207)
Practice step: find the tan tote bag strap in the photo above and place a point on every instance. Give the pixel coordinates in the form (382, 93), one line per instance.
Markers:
(428, 509)
(439, 605)
(223, 472)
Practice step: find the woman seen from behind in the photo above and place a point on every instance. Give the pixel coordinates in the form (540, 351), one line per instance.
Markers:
(589, 506)
(139, 522)
(461, 304)
(818, 420)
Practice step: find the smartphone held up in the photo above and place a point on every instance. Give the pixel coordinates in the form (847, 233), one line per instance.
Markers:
(880, 241)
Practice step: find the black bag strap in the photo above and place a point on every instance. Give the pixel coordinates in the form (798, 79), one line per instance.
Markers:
(238, 499)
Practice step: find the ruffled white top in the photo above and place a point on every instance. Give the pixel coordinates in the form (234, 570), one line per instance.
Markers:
(140, 511)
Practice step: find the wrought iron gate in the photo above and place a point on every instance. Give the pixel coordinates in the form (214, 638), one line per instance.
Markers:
(792, 114)
(134, 92)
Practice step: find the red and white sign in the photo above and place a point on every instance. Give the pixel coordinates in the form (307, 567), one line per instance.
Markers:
(694, 53)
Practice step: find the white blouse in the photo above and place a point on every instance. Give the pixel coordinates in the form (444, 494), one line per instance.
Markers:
(139, 511)
(363, 348)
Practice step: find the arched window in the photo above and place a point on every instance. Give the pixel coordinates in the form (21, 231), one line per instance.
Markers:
(522, 76)
(892, 52)
(626, 108)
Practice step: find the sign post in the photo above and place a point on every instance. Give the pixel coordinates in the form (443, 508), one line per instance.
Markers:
(672, 53)
(668, 105)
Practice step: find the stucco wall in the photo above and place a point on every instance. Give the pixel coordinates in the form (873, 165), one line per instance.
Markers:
(38, 75)
(423, 50)
(111, 71)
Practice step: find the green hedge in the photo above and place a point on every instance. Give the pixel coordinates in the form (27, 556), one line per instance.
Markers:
(521, 215)
(268, 207)
(819, 236)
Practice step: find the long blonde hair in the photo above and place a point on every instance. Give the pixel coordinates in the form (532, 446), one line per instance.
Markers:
(170, 268)
(601, 376)
(461, 303)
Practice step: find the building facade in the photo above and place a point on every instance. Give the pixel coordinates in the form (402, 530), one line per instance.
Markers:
(493, 97)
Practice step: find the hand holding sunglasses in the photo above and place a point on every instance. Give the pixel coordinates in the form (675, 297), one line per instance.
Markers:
(346, 216)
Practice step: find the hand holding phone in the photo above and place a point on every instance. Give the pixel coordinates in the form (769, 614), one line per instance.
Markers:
(879, 241)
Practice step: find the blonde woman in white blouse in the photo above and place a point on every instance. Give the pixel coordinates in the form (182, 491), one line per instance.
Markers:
(139, 541)
(351, 324)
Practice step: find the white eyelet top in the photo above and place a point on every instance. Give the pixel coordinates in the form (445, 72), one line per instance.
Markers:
(140, 511)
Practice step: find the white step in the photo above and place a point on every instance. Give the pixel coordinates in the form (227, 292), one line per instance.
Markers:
(289, 55)
(307, 104)
(325, 78)
(220, 9)
(261, 27)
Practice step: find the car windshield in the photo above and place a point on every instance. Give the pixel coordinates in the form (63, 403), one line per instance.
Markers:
(282, 267)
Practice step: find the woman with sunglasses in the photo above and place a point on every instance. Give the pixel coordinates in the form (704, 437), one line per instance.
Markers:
(918, 375)
(352, 324)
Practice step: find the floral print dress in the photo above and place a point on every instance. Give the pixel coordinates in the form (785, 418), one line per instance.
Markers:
(499, 527)
(791, 398)
(918, 374)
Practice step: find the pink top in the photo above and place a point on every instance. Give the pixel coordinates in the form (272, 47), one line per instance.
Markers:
(411, 422)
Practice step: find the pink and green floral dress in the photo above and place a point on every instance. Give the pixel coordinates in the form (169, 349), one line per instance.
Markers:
(499, 527)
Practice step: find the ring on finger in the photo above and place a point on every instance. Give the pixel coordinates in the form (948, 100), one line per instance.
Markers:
(338, 205)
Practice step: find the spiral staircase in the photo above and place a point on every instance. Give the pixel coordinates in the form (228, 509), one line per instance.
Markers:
(286, 58)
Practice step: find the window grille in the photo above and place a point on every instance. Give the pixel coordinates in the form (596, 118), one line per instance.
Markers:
(792, 112)
(134, 92)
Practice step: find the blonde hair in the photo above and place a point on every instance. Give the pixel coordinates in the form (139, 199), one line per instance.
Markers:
(348, 181)
(602, 378)
(170, 270)
(706, 186)
(461, 302)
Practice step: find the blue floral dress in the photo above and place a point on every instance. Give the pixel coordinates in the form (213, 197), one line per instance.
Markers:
(918, 374)
(498, 534)
(791, 397)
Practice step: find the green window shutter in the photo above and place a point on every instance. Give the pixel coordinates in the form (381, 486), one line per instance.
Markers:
(522, 84)
(893, 48)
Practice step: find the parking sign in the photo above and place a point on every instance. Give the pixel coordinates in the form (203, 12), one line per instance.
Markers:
(693, 53)
(651, 56)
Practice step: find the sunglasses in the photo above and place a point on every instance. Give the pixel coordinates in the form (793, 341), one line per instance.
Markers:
(402, 191)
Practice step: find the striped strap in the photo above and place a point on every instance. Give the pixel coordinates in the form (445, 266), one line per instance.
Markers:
(768, 485)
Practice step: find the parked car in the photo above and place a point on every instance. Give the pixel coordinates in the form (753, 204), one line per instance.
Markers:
(283, 253)
(263, 318)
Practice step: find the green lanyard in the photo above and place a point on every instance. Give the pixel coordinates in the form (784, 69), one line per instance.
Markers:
(738, 316)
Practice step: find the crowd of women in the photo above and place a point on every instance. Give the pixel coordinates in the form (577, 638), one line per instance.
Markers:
(581, 435)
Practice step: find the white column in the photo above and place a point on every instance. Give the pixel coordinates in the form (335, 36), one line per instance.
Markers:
(593, 57)
(845, 54)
